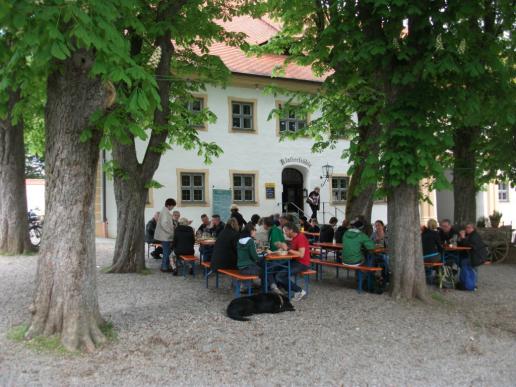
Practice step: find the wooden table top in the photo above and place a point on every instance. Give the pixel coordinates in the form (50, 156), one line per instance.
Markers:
(277, 257)
(204, 242)
(328, 245)
(456, 248)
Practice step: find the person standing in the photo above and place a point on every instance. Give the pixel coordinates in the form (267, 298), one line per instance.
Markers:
(313, 201)
(165, 233)
(238, 216)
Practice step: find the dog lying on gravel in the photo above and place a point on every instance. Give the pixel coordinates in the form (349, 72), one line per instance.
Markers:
(259, 303)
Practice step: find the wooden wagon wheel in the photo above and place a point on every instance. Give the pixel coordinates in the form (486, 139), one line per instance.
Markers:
(499, 250)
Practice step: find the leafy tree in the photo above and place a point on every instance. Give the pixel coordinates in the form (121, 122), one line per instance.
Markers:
(77, 49)
(14, 237)
(481, 98)
(181, 67)
(389, 65)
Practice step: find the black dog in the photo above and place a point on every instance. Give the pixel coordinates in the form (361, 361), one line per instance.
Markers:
(259, 303)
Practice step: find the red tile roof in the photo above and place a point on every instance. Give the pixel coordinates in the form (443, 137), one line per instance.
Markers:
(258, 31)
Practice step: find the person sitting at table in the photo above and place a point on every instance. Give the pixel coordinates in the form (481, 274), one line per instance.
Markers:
(432, 246)
(328, 231)
(469, 237)
(354, 242)
(184, 240)
(262, 234)
(150, 229)
(225, 249)
(276, 218)
(378, 236)
(216, 225)
(301, 248)
(339, 233)
(255, 219)
(205, 227)
(447, 232)
(175, 216)
(314, 226)
(276, 238)
(303, 223)
(248, 262)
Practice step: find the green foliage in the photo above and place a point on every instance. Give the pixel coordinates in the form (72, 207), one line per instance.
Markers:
(109, 331)
(416, 70)
(50, 344)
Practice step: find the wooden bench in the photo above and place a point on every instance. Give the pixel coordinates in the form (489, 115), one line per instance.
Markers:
(360, 270)
(306, 277)
(190, 259)
(237, 279)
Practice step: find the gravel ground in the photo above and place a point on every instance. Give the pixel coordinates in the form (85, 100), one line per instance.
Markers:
(173, 331)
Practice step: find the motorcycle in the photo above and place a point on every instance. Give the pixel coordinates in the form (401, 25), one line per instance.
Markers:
(35, 229)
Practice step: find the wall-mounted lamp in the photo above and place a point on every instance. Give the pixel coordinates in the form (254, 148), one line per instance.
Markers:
(327, 172)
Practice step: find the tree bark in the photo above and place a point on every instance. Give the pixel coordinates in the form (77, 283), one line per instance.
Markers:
(129, 253)
(14, 235)
(65, 301)
(405, 250)
(464, 171)
(130, 197)
(361, 198)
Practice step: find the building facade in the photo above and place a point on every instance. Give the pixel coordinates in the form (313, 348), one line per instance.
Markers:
(257, 171)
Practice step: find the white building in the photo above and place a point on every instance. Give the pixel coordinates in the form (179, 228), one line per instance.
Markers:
(256, 171)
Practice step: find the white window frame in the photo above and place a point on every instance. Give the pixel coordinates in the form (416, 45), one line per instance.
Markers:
(192, 187)
(503, 192)
(339, 188)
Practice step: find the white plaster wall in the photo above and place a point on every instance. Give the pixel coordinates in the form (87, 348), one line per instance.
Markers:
(36, 197)
(508, 209)
(260, 152)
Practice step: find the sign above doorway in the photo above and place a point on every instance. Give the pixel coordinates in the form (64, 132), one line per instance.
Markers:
(299, 160)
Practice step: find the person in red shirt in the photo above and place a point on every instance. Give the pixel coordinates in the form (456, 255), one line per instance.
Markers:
(299, 246)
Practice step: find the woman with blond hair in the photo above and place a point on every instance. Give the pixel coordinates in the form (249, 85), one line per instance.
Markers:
(432, 245)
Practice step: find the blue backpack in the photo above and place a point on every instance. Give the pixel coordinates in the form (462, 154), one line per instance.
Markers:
(468, 276)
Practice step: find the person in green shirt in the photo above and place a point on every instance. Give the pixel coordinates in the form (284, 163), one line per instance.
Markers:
(276, 237)
(354, 243)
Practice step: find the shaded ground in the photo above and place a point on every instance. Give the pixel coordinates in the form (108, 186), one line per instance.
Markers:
(173, 331)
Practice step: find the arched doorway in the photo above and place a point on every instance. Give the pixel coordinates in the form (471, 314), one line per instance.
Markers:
(292, 196)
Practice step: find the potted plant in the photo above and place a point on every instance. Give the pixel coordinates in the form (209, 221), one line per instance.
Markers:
(494, 219)
(482, 222)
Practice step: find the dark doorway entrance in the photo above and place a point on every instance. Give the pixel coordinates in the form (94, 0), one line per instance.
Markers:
(292, 195)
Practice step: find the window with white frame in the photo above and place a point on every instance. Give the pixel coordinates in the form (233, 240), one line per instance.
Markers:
(339, 188)
(192, 187)
(243, 187)
(195, 106)
(291, 121)
(503, 192)
(242, 115)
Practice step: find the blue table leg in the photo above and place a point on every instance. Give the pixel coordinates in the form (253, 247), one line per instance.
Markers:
(217, 279)
(289, 285)
(237, 288)
(265, 277)
(360, 277)
(249, 288)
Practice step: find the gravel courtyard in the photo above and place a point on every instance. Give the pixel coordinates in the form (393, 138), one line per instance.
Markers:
(173, 331)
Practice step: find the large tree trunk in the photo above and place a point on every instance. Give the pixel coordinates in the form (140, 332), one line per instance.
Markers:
(129, 253)
(130, 196)
(65, 301)
(360, 199)
(14, 236)
(464, 187)
(405, 250)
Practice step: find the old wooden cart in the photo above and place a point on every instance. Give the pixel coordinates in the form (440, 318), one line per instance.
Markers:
(498, 240)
